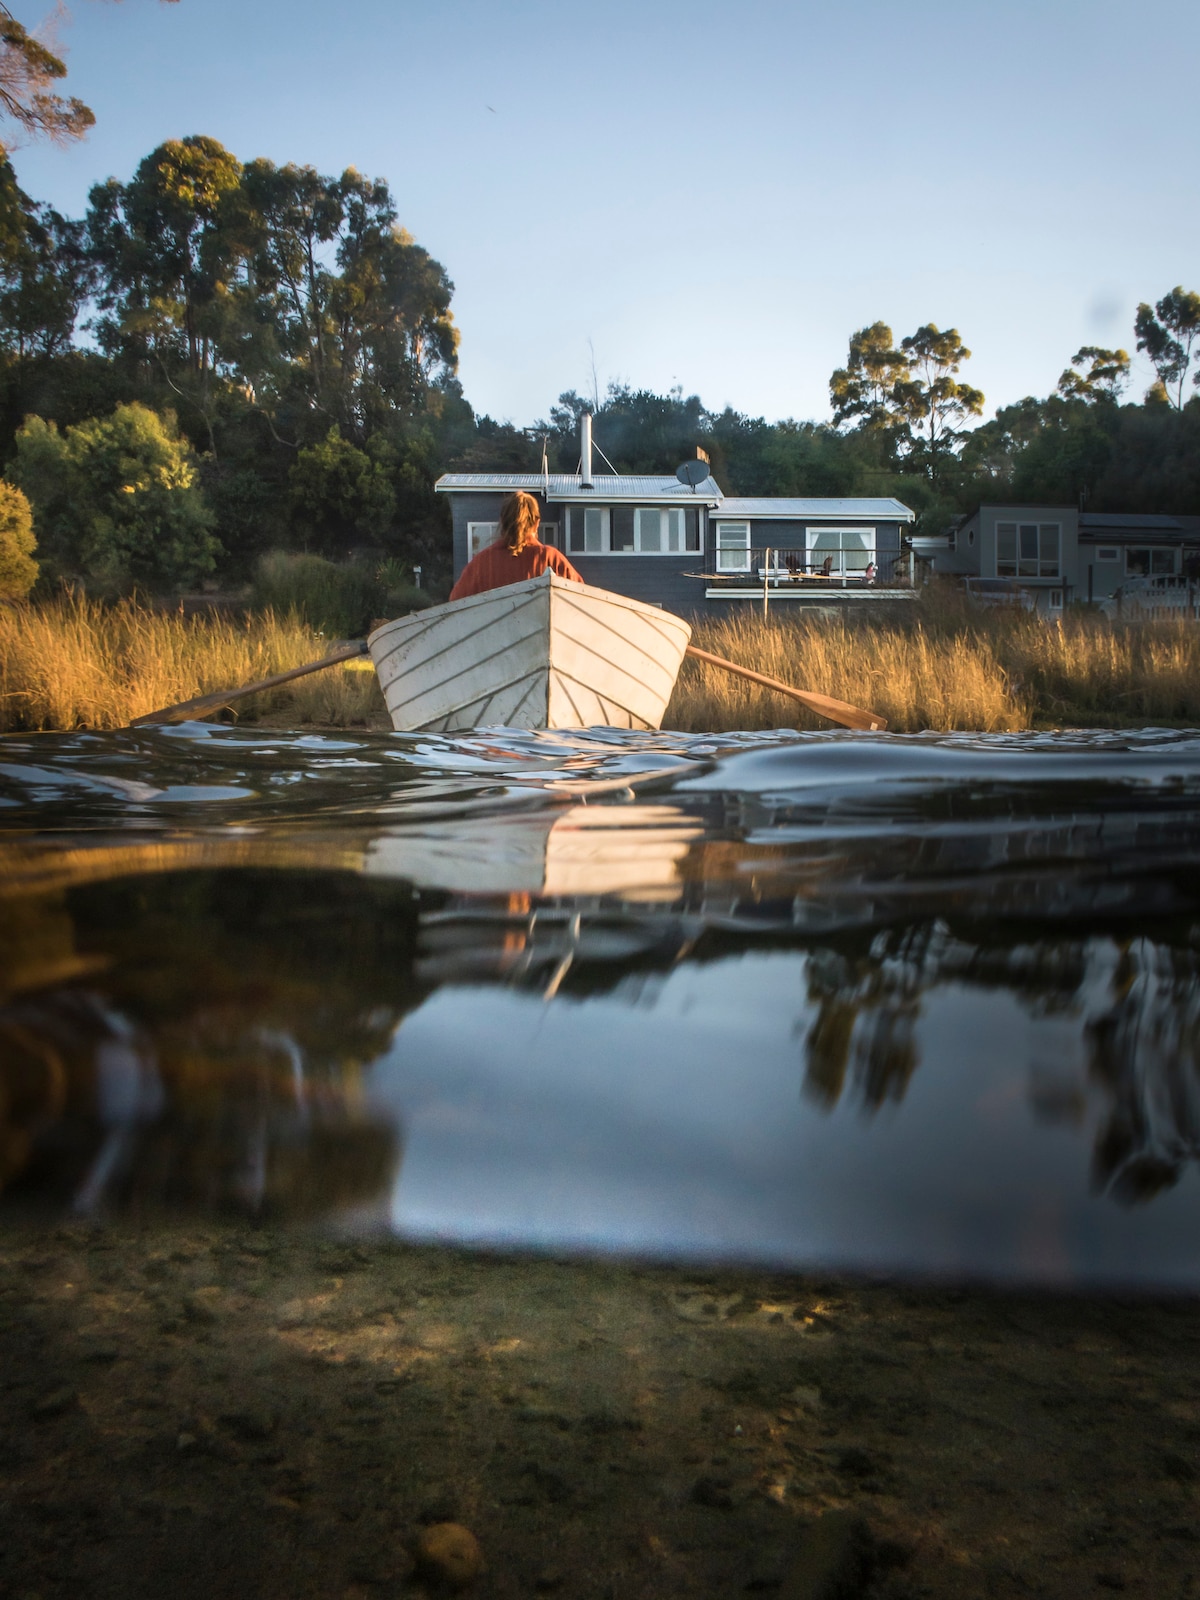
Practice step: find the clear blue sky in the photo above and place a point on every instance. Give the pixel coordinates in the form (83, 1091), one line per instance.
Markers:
(712, 195)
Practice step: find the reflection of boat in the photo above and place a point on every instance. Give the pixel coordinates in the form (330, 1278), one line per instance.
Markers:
(632, 850)
(546, 653)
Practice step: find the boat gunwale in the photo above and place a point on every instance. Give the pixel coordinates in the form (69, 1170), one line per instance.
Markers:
(583, 604)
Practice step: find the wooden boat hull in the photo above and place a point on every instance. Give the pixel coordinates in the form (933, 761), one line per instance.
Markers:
(546, 653)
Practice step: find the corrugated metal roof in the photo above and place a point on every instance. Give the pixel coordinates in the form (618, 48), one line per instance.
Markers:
(566, 486)
(1103, 522)
(881, 510)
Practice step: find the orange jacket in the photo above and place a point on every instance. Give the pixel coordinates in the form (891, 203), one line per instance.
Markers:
(497, 566)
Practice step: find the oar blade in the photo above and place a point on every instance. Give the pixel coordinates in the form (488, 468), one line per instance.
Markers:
(824, 705)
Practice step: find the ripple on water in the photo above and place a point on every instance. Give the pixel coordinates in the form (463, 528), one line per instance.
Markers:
(922, 1003)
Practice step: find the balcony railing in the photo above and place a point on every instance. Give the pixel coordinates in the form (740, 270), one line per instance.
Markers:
(756, 566)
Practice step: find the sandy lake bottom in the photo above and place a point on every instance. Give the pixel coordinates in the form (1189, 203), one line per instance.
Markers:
(764, 1166)
(211, 1412)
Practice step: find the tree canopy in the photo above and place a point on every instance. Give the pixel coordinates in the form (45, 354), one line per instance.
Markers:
(1169, 335)
(911, 396)
(29, 67)
(273, 367)
(18, 569)
(117, 500)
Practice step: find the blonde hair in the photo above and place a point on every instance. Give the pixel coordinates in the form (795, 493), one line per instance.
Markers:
(520, 516)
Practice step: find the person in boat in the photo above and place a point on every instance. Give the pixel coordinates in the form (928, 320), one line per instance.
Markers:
(517, 554)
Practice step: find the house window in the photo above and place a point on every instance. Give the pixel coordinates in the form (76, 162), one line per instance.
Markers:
(1056, 599)
(587, 530)
(1108, 552)
(1028, 549)
(548, 533)
(659, 532)
(479, 536)
(848, 551)
(1150, 563)
(733, 547)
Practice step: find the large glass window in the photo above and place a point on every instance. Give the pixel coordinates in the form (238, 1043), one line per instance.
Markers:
(733, 547)
(627, 530)
(1151, 563)
(1028, 550)
(587, 530)
(661, 532)
(840, 552)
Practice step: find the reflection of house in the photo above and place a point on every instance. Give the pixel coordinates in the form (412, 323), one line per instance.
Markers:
(690, 547)
(1047, 556)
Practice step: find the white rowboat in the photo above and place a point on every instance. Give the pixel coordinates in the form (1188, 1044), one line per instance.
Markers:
(546, 653)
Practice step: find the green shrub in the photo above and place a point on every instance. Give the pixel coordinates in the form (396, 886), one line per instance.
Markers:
(399, 602)
(341, 601)
(117, 499)
(18, 569)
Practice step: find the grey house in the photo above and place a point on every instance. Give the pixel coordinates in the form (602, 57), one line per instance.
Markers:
(1047, 556)
(688, 547)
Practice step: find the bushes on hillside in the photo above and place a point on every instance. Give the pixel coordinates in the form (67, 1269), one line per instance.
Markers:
(116, 500)
(18, 569)
(341, 601)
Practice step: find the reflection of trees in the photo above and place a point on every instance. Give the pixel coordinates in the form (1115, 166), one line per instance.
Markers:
(213, 1054)
(864, 1029)
(1135, 1007)
(200, 1037)
(1145, 1053)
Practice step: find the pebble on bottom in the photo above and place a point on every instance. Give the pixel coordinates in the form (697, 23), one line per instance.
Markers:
(449, 1552)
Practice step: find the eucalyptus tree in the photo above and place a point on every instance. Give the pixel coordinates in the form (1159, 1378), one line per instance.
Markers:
(338, 317)
(930, 398)
(45, 274)
(167, 256)
(1105, 374)
(396, 337)
(29, 69)
(1168, 334)
(864, 390)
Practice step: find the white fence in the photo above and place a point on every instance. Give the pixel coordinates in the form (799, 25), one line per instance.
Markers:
(1165, 596)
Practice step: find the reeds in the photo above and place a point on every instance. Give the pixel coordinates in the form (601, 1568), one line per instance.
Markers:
(945, 665)
(78, 663)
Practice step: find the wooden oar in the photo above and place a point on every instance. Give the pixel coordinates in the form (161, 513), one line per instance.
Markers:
(205, 704)
(836, 710)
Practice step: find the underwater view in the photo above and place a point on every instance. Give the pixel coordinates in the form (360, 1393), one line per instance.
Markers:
(619, 1149)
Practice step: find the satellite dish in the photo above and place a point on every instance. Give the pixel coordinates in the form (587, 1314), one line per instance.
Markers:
(692, 472)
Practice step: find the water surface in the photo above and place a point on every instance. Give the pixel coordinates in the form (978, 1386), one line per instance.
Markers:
(901, 1004)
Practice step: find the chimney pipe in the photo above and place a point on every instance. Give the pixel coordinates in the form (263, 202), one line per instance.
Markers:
(585, 450)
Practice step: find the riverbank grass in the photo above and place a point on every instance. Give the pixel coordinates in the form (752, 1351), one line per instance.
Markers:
(77, 663)
(949, 667)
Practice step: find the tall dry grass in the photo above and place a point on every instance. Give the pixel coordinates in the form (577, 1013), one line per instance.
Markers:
(78, 663)
(947, 665)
